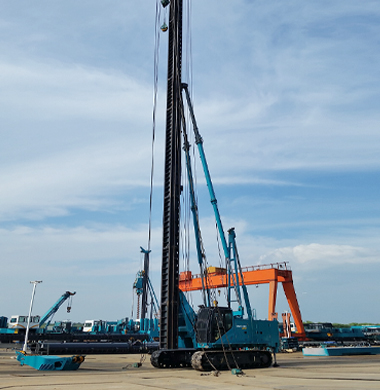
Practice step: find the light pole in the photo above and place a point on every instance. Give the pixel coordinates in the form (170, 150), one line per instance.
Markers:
(30, 313)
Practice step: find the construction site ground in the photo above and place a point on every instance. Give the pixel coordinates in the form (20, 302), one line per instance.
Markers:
(118, 372)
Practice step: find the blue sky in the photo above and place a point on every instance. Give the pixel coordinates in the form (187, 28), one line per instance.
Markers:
(286, 95)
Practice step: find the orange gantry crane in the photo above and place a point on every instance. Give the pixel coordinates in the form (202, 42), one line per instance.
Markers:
(270, 273)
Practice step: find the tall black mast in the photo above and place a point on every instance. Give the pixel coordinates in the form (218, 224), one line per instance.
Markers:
(172, 186)
(145, 278)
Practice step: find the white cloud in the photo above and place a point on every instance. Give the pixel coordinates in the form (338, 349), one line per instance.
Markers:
(81, 178)
(292, 88)
(110, 249)
(319, 256)
(53, 90)
(279, 86)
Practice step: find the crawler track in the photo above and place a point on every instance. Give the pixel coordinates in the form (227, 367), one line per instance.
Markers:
(172, 358)
(210, 360)
(226, 360)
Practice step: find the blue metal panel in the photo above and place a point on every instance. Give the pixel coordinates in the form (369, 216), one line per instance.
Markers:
(50, 363)
(249, 333)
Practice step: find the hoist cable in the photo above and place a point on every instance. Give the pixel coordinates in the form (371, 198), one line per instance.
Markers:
(155, 92)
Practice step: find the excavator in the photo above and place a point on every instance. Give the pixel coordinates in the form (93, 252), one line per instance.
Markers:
(216, 337)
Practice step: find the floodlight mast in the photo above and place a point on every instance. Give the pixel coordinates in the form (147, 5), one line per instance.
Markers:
(30, 314)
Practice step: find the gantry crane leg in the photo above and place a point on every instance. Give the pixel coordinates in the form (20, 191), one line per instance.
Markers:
(272, 299)
(294, 307)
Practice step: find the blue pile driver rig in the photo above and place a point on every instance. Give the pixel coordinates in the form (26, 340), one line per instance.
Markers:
(214, 338)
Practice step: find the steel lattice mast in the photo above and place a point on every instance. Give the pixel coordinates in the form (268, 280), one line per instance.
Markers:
(172, 185)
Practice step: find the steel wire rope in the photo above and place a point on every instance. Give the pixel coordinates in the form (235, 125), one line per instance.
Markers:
(185, 235)
(156, 61)
(188, 57)
(186, 196)
(221, 337)
(189, 73)
(229, 345)
(220, 257)
(186, 209)
(189, 76)
(213, 291)
(186, 218)
(225, 332)
(178, 81)
(223, 349)
(202, 249)
(189, 70)
(187, 65)
(228, 266)
(221, 340)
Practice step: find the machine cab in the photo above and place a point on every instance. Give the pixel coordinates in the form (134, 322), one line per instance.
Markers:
(212, 323)
(21, 322)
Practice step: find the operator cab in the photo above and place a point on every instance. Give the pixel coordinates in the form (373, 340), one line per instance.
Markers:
(212, 323)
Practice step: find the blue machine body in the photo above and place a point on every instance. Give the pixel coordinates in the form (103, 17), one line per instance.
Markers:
(50, 363)
(218, 327)
(149, 326)
(187, 319)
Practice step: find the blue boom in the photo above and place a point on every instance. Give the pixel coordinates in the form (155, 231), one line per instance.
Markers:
(47, 317)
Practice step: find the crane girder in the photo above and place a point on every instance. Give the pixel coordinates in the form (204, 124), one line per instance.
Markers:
(272, 275)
